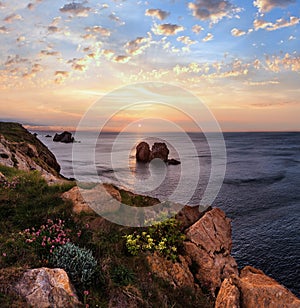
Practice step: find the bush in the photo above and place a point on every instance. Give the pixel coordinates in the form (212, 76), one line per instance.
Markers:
(164, 237)
(79, 263)
(121, 275)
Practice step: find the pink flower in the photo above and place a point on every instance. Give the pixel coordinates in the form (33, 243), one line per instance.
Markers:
(4, 254)
(86, 292)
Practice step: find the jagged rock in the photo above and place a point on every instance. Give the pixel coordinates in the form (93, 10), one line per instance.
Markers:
(102, 198)
(159, 150)
(173, 161)
(65, 137)
(208, 248)
(188, 215)
(143, 152)
(228, 296)
(259, 290)
(45, 287)
(177, 274)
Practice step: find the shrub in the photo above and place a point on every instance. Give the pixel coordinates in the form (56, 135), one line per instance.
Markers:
(164, 237)
(122, 275)
(78, 262)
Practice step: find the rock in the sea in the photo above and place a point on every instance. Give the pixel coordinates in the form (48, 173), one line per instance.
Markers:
(65, 137)
(45, 287)
(177, 274)
(48, 136)
(259, 290)
(159, 150)
(208, 248)
(173, 161)
(143, 152)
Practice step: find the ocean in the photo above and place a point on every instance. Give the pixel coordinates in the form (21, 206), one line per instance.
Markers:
(260, 191)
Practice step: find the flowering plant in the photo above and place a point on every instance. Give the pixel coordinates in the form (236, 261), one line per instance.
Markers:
(164, 237)
(48, 236)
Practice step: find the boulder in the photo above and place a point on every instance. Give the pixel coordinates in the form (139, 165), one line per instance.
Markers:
(159, 150)
(143, 152)
(259, 290)
(228, 296)
(177, 274)
(208, 247)
(65, 137)
(45, 287)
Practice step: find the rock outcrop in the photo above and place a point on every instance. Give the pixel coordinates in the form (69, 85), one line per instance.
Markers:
(143, 152)
(208, 248)
(65, 137)
(44, 288)
(159, 150)
(177, 274)
(22, 150)
(255, 289)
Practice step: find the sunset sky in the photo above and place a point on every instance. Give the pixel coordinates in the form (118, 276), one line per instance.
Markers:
(240, 58)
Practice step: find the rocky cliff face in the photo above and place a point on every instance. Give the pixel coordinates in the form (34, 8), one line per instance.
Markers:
(20, 149)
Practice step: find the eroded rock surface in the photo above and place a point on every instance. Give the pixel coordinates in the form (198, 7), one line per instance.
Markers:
(45, 287)
(260, 290)
(65, 137)
(208, 248)
(143, 152)
(177, 274)
(159, 150)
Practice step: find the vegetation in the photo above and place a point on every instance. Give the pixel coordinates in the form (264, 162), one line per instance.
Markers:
(79, 263)
(38, 228)
(164, 237)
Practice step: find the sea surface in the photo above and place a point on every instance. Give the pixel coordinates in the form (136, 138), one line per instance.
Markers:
(260, 191)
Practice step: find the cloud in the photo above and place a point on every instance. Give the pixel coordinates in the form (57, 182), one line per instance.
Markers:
(49, 53)
(186, 40)
(197, 29)
(3, 29)
(78, 64)
(213, 10)
(280, 23)
(116, 19)
(277, 64)
(121, 59)
(267, 5)
(160, 14)
(108, 53)
(10, 18)
(237, 32)
(167, 29)
(53, 29)
(99, 30)
(30, 6)
(21, 38)
(61, 76)
(75, 8)
(208, 37)
(137, 46)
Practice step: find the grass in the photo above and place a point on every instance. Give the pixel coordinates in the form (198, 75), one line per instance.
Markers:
(122, 278)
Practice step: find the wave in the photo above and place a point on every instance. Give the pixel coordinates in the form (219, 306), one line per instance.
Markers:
(267, 180)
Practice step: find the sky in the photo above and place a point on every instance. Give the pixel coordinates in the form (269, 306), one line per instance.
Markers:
(239, 58)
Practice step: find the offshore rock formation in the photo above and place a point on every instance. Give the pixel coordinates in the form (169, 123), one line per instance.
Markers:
(143, 152)
(22, 150)
(65, 137)
(45, 287)
(159, 150)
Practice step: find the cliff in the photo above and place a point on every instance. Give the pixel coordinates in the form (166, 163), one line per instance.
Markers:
(204, 273)
(22, 150)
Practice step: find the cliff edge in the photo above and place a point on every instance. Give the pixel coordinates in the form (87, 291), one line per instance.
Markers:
(24, 151)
